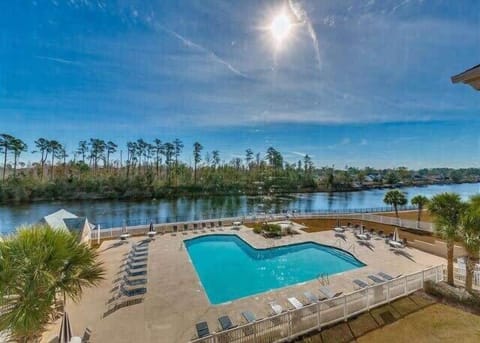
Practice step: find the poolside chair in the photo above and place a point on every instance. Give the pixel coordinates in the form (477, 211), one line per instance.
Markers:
(136, 259)
(375, 279)
(388, 277)
(312, 298)
(295, 302)
(225, 322)
(130, 292)
(329, 293)
(134, 282)
(136, 272)
(360, 283)
(202, 329)
(86, 335)
(249, 316)
(135, 266)
(276, 308)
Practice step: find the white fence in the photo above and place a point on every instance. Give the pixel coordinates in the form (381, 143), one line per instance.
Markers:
(405, 223)
(460, 274)
(293, 323)
(205, 224)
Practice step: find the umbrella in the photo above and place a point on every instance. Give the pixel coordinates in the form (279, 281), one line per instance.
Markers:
(65, 330)
(396, 237)
(361, 229)
(151, 229)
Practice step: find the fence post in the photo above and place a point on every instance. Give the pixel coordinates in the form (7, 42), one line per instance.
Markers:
(388, 291)
(289, 318)
(368, 298)
(318, 316)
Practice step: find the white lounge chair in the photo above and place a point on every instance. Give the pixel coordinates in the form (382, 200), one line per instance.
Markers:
(276, 308)
(329, 293)
(295, 302)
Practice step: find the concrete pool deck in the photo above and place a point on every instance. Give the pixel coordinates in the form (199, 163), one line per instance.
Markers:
(175, 299)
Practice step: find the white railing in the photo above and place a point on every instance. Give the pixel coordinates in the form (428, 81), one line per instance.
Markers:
(205, 224)
(293, 323)
(460, 274)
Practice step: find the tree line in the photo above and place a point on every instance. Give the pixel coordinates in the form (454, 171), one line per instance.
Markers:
(96, 168)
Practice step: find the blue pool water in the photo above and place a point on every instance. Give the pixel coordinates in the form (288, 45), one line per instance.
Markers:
(229, 268)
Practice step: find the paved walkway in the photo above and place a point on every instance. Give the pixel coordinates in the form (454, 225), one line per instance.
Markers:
(175, 300)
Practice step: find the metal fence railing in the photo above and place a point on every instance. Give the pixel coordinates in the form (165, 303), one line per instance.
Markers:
(199, 224)
(288, 325)
(460, 274)
(170, 219)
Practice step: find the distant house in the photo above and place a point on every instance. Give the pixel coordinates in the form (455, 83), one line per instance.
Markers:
(373, 178)
(64, 220)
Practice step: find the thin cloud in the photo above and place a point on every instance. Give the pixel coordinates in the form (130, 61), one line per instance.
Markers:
(210, 53)
(58, 60)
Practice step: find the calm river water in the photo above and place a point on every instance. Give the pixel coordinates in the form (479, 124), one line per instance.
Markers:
(110, 213)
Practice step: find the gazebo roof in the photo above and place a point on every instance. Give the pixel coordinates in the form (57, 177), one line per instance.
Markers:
(470, 76)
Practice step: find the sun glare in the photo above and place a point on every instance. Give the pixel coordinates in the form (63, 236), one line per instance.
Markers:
(280, 27)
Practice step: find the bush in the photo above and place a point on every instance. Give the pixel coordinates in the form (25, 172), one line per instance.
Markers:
(272, 230)
(257, 230)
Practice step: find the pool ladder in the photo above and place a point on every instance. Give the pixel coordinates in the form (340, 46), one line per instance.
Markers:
(351, 247)
(323, 279)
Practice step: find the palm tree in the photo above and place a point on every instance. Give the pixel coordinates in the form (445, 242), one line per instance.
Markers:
(37, 263)
(448, 209)
(17, 146)
(42, 145)
(197, 157)
(470, 234)
(5, 145)
(420, 201)
(395, 198)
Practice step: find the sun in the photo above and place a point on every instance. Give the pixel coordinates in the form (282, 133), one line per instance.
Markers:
(280, 27)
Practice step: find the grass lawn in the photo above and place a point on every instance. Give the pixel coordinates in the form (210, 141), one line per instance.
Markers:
(436, 323)
(410, 215)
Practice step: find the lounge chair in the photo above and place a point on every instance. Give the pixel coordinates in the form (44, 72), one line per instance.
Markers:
(225, 323)
(376, 279)
(136, 272)
(249, 316)
(329, 293)
(276, 308)
(388, 277)
(360, 283)
(130, 292)
(135, 266)
(137, 259)
(134, 281)
(312, 298)
(86, 335)
(202, 329)
(295, 302)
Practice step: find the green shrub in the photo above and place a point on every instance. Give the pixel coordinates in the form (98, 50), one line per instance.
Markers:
(257, 230)
(272, 229)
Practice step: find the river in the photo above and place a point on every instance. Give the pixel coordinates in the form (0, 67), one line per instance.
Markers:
(110, 213)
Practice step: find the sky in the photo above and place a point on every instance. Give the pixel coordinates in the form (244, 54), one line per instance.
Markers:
(358, 83)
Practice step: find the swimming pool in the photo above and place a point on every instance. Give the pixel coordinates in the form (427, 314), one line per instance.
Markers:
(229, 268)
